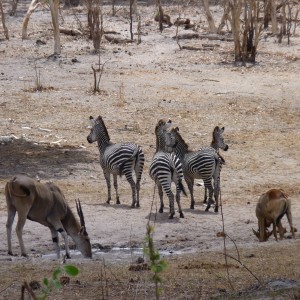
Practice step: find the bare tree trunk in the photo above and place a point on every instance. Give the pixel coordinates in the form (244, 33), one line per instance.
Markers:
(139, 33)
(131, 18)
(224, 17)
(236, 9)
(273, 17)
(3, 21)
(32, 7)
(95, 22)
(283, 24)
(113, 2)
(14, 5)
(160, 14)
(209, 17)
(54, 8)
(267, 13)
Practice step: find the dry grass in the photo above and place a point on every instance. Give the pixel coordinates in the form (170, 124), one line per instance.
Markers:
(199, 276)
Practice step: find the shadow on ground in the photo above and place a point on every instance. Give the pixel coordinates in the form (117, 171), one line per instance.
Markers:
(33, 159)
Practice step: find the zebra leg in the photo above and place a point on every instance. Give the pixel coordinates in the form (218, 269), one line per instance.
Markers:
(208, 185)
(171, 201)
(139, 165)
(217, 175)
(128, 174)
(107, 178)
(161, 195)
(216, 193)
(116, 188)
(178, 201)
(190, 184)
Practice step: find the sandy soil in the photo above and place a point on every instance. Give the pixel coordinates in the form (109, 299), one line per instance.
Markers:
(258, 105)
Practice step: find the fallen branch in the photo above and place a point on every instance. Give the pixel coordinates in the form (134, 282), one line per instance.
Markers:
(73, 32)
(115, 40)
(212, 37)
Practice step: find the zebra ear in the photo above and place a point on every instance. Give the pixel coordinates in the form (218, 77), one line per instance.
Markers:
(177, 129)
(223, 128)
(92, 120)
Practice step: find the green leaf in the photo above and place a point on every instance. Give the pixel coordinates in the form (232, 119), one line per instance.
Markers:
(55, 274)
(56, 284)
(71, 270)
(46, 281)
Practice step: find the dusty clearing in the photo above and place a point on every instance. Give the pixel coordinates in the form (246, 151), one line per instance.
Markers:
(259, 106)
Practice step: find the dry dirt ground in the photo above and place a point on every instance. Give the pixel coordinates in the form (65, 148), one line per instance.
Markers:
(258, 105)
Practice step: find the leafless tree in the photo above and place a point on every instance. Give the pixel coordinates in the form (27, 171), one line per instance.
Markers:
(54, 8)
(131, 18)
(211, 23)
(95, 22)
(246, 35)
(3, 21)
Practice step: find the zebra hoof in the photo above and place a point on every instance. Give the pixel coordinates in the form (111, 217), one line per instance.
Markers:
(108, 201)
(10, 253)
(171, 216)
(137, 205)
(207, 208)
(216, 209)
(132, 205)
(161, 210)
(181, 215)
(192, 206)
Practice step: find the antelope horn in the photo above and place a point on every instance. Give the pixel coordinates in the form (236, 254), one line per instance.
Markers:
(80, 213)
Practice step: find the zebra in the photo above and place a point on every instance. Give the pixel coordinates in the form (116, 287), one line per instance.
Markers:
(217, 143)
(202, 164)
(165, 168)
(118, 159)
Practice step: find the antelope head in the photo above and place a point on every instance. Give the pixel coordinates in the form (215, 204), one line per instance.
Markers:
(264, 236)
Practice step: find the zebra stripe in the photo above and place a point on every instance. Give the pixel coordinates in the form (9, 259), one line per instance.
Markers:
(118, 159)
(166, 168)
(202, 164)
(217, 143)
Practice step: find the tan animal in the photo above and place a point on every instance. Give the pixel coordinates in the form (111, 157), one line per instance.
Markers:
(270, 209)
(44, 203)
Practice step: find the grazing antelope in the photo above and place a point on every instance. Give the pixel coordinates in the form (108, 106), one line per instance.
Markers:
(44, 203)
(270, 209)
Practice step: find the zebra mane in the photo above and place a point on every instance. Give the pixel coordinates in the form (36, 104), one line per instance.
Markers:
(99, 120)
(160, 123)
(180, 139)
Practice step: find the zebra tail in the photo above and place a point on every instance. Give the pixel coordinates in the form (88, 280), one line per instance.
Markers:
(181, 186)
(134, 155)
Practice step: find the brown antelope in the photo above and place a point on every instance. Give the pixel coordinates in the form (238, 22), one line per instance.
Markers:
(270, 209)
(44, 203)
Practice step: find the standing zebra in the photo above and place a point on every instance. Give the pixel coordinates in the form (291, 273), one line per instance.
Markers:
(165, 168)
(118, 159)
(202, 164)
(217, 143)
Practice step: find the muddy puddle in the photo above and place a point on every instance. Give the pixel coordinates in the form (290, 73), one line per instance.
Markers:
(117, 254)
